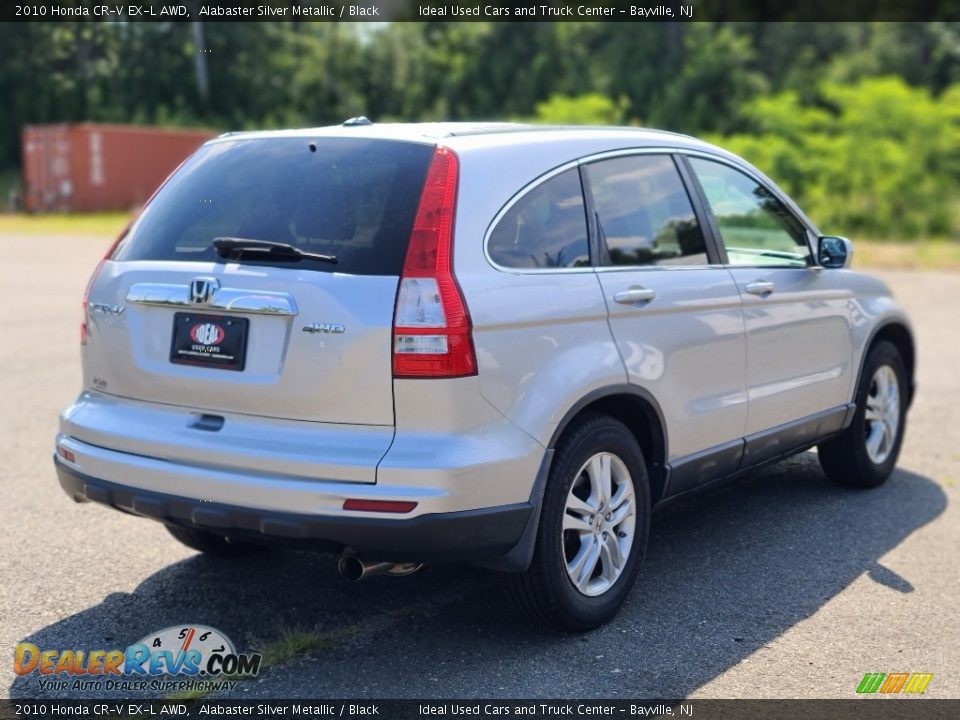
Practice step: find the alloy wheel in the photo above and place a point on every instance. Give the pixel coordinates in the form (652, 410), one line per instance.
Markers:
(882, 415)
(599, 523)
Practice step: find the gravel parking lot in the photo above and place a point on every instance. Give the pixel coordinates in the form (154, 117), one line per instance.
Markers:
(779, 585)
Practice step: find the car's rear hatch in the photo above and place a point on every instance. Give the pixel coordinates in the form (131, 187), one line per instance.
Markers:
(173, 320)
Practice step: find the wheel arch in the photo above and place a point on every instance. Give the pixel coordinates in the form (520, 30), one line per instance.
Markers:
(636, 408)
(899, 334)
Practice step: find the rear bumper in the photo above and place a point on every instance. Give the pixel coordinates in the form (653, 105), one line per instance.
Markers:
(304, 467)
(433, 537)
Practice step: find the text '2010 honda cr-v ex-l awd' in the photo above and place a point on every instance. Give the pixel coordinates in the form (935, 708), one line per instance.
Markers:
(490, 343)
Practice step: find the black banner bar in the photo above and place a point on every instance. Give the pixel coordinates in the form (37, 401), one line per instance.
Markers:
(480, 10)
(854, 709)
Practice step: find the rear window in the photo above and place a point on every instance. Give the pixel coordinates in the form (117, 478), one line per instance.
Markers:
(352, 198)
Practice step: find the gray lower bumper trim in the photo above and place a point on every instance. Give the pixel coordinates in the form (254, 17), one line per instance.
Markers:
(437, 537)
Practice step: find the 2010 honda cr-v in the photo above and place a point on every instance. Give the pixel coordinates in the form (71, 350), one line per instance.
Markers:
(496, 343)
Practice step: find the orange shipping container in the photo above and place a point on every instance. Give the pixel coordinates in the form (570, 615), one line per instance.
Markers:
(86, 167)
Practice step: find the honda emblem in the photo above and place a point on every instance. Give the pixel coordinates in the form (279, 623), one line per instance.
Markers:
(202, 290)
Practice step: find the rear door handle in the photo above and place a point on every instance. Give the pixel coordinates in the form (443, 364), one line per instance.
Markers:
(760, 287)
(634, 295)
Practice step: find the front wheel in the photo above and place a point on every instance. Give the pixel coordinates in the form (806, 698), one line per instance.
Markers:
(864, 455)
(593, 528)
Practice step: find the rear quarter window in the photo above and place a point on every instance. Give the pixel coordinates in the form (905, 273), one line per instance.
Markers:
(352, 198)
(545, 228)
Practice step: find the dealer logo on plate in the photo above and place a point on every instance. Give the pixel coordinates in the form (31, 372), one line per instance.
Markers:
(207, 334)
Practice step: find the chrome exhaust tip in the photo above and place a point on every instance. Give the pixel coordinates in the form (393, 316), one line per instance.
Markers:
(354, 568)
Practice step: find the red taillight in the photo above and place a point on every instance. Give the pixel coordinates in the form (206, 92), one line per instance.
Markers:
(389, 506)
(431, 326)
(93, 279)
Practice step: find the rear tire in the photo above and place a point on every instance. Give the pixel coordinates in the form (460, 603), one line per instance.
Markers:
(211, 543)
(865, 454)
(593, 530)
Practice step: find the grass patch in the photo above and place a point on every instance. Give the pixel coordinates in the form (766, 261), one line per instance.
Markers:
(291, 645)
(294, 644)
(107, 224)
(918, 255)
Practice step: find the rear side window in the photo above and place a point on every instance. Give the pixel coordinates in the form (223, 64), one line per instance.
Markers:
(644, 215)
(352, 198)
(546, 228)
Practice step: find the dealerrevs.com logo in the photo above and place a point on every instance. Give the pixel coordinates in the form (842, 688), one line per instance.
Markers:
(203, 654)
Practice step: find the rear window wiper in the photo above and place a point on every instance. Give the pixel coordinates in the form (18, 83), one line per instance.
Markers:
(231, 247)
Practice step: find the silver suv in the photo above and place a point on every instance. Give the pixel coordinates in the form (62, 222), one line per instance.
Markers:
(495, 343)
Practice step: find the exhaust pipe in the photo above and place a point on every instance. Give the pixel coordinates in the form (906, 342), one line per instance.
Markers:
(353, 568)
(356, 569)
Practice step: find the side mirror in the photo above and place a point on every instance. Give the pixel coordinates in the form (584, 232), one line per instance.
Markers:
(834, 252)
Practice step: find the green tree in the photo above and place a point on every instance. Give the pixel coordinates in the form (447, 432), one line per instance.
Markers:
(589, 109)
(878, 157)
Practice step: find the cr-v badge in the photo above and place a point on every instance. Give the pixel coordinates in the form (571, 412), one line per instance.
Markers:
(105, 309)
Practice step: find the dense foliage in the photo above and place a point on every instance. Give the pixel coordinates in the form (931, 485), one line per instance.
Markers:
(860, 121)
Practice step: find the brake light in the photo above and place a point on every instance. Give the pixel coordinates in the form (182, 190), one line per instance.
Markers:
(93, 279)
(431, 325)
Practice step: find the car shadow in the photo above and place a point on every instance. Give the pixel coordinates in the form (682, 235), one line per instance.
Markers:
(726, 573)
